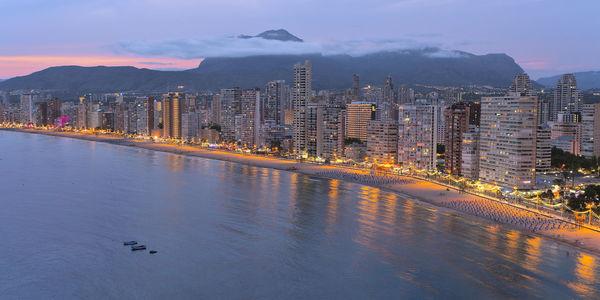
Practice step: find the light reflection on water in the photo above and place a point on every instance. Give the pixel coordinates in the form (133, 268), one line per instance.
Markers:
(232, 231)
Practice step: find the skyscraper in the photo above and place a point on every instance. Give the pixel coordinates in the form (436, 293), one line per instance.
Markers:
(172, 114)
(567, 98)
(356, 88)
(543, 152)
(53, 111)
(508, 141)
(417, 137)
(250, 117)
(274, 102)
(230, 107)
(150, 114)
(388, 107)
(590, 122)
(301, 95)
(456, 120)
(27, 102)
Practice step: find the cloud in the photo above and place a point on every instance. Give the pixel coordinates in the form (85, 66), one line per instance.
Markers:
(155, 63)
(195, 48)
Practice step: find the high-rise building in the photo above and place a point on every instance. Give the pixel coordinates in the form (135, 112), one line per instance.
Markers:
(356, 88)
(388, 106)
(42, 114)
(150, 114)
(406, 95)
(567, 98)
(230, 108)
(508, 141)
(543, 150)
(172, 114)
(417, 137)
(470, 153)
(357, 116)
(301, 96)
(189, 125)
(314, 129)
(274, 101)
(250, 117)
(382, 141)
(543, 111)
(590, 122)
(456, 119)
(216, 109)
(27, 102)
(54, 112)
(332, 132)
(567, 134)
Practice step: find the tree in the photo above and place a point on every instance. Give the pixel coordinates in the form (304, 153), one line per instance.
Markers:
(591, 195)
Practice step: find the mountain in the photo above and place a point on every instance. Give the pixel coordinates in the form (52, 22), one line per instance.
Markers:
(279, 35)
(425, 66)
(100, 79)
(585, 80)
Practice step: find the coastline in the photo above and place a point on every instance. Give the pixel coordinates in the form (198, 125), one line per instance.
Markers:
(416, 190)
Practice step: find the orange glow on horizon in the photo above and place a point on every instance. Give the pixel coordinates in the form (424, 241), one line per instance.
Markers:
(12, 66)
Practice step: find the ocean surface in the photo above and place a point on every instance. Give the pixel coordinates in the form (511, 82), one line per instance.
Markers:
(230, 231)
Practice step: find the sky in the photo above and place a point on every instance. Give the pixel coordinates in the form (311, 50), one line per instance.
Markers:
(545, 37)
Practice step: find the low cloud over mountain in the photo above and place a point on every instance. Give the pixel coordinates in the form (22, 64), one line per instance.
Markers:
(272, 42)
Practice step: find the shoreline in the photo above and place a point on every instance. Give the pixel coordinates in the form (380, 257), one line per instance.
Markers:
(420, 191)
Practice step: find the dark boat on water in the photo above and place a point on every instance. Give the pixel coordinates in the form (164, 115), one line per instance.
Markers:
(140, 247)
(129, 243)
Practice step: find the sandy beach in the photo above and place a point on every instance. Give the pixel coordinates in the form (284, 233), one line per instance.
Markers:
(451, 200)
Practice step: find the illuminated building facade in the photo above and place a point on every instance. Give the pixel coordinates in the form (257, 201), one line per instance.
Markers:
(172, 114)
(508, 141)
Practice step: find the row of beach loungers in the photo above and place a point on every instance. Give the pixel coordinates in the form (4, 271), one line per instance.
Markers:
(507, 214)
(369, 179)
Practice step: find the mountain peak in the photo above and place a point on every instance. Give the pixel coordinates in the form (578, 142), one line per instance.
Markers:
(278, 35)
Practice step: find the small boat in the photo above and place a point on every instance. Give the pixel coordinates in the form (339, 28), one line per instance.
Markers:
(140, 247)
(153, 251)
(129, 243)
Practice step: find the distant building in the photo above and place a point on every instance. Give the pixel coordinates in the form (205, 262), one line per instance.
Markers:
(388, 107)
(356, 88)
(521, 85)
(567, 98)
(567, 136)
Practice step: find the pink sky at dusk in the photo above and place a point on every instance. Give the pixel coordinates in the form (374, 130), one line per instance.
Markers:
(12, 66)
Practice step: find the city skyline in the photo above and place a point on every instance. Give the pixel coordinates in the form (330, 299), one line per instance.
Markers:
(126, 33)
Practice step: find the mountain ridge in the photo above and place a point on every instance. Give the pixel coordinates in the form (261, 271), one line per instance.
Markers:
(424, 66)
